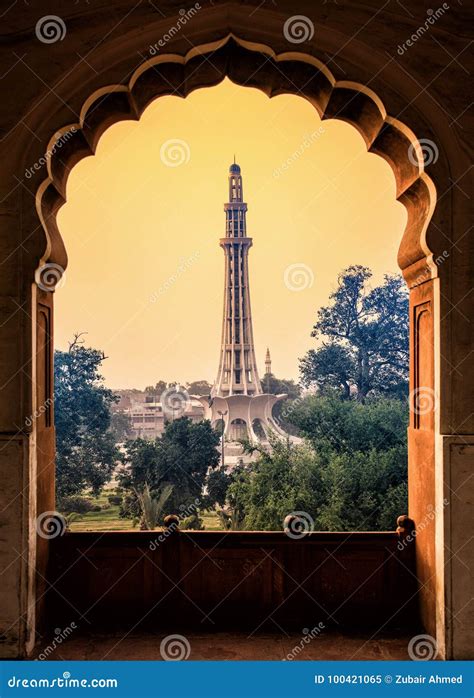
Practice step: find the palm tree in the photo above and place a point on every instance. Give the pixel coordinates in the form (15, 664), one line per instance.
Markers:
(152, 505)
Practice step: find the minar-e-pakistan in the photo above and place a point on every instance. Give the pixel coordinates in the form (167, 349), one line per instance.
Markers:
(237, 400)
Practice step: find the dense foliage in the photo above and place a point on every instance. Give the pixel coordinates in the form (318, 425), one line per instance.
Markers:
(86, 453)
(181, 459)
(278, 386)
(349, 474)
(364, 335)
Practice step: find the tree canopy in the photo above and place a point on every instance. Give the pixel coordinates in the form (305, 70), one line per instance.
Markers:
(86, 453)
(180, 458)
(330, 423)
(201, 387)
(364, 335)
(349, 473)
(278, 386)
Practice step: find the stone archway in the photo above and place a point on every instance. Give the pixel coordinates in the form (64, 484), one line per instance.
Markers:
(345, 100)
(274, 71)
(238, 430)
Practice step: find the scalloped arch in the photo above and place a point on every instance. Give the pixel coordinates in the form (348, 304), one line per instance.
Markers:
(252, 65)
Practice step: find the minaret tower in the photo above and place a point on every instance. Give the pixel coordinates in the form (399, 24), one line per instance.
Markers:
(238, 406)
(237, 373)
(268, 363)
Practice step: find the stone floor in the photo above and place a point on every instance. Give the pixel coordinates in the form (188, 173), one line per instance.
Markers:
(226, 646)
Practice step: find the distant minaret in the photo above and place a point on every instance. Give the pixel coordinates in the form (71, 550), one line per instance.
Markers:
(238, 405)
(237, 373)
(268, 362)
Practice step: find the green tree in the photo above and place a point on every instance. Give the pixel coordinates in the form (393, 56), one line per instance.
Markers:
(362, 449)
(331, 368)
(86, 454)
(358, 488)
(332, 424)
(181, 458)
(276, 484)
(349, 474)
(152, 505)
(364, 337)
(201, 387)
(217, 484)
(158, 388)
(120, 426)
(279, 386)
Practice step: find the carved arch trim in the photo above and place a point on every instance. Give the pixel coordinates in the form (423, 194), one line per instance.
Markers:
(252, 65)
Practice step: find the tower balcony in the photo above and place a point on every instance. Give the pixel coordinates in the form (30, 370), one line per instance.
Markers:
(229, 241)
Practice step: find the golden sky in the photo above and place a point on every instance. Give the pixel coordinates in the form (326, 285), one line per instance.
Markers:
(144, 216)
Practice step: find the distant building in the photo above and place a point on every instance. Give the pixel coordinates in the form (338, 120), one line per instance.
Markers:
(148, 416)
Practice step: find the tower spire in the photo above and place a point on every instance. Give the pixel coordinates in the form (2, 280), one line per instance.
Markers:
(268, 363)
(237, 373)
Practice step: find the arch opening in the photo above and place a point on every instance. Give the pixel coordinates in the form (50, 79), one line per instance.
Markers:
(239, 429)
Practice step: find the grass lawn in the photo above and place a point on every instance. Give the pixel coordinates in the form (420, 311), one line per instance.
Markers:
(107, 519)
(211, 521)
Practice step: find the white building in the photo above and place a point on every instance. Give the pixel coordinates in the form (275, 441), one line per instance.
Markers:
(148, 415)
